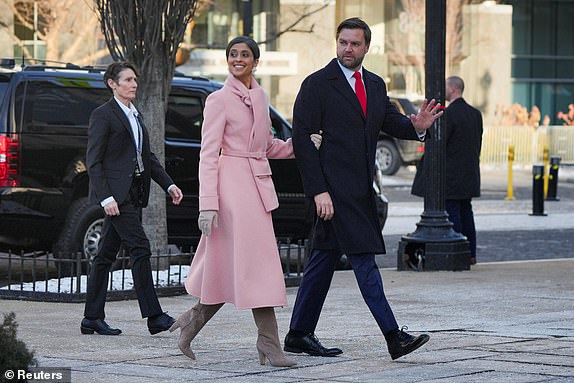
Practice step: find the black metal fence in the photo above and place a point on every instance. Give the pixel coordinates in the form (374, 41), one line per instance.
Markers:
(293, 256)
(40, 277)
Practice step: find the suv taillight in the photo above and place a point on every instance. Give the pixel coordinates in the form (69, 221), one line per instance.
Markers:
(9, 161)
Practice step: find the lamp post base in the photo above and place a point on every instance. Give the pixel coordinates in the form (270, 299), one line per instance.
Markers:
(433, 256)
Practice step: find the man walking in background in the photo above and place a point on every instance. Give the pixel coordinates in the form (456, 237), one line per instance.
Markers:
(463, 143)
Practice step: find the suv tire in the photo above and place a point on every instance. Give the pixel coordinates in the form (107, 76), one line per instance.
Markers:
(388, 157)
(81, 232)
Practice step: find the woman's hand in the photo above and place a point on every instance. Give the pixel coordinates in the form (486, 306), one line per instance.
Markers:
(206, 219)
(317, 139)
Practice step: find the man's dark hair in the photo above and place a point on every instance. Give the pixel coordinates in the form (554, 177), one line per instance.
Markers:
(355, 23)
(247, 40)
(114, 69)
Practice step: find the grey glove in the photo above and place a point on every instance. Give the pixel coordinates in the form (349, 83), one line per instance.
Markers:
(206, 219)
(317, 139)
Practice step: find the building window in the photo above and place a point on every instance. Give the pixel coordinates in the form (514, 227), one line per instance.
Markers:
(543, 54)
(223, 20)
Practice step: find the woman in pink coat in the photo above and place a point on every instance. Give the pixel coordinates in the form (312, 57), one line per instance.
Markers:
(237, 260)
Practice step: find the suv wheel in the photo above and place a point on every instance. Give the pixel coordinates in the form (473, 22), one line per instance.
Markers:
(388, 157)
(92, 237)
(81, 233)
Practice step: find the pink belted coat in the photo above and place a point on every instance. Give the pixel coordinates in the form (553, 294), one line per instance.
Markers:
(238, 262)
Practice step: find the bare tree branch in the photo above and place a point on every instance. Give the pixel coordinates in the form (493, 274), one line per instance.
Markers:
(148, 33)
(291, 27)
(406, 49)
(60, 24)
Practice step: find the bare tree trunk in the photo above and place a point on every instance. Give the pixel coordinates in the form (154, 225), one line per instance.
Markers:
(152, 103)
(147, 33)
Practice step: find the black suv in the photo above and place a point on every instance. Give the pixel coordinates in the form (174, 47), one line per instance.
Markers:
(44, 114)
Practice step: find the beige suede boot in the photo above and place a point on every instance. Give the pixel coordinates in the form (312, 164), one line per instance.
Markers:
(268, 344)
(190, 323)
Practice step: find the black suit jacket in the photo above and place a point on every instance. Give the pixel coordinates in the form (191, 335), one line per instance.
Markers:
(463, 141)
(344, 165)
(111, 156)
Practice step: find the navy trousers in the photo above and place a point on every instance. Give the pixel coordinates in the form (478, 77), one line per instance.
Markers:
(462, 218)
(316, 281)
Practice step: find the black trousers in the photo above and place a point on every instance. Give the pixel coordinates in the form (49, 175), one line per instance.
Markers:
(462, 218)
(126, 228)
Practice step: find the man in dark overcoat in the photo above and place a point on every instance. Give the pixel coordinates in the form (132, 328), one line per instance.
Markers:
(463, 141)
(349, 105)
(121, 166)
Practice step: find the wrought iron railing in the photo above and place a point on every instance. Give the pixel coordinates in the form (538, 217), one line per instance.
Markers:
(40, 277)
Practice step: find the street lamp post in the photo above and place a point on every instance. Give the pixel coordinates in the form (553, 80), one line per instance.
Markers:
(434, 245)
(247, 18)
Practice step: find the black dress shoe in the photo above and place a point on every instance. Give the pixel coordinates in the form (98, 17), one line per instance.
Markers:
(400, 343)
(89, 326)
(308, 344)
(159, 323)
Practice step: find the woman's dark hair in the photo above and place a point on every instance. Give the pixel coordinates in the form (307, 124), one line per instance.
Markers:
(114, 69)
(355, 23)
(247, 40)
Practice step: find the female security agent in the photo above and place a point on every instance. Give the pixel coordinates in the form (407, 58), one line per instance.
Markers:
(237, 260)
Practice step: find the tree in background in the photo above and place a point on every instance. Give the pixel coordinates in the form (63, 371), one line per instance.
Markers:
(148, 33)
(66, 27)
(406, 49)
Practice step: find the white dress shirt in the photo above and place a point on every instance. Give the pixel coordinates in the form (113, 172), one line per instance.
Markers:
(351, 80)
(131, 113)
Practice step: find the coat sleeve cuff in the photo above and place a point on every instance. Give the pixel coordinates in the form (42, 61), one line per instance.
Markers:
(208, 203)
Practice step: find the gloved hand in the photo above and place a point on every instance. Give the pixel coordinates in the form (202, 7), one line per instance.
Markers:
(206, 219)
(317, 139)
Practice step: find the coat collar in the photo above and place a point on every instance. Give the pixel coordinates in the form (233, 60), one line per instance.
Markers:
(337, 79)
(256, 100)
(459, 100)
(240, 90)
(121, 115)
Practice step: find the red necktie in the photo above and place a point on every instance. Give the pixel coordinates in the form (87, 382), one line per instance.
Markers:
(360, 91)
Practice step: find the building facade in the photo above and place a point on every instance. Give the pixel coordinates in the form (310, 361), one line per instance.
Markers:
(543, 54)
(507, 51)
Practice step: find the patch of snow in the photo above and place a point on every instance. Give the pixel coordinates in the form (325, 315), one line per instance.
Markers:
(120, 280)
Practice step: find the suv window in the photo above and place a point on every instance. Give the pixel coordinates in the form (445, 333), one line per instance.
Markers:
(184, 117)
(3, 86)
(51, 210)
(279, 126)
(49, 105)
(4, 81)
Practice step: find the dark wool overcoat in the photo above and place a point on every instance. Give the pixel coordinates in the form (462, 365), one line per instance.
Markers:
(344, 165)
(463, 141)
